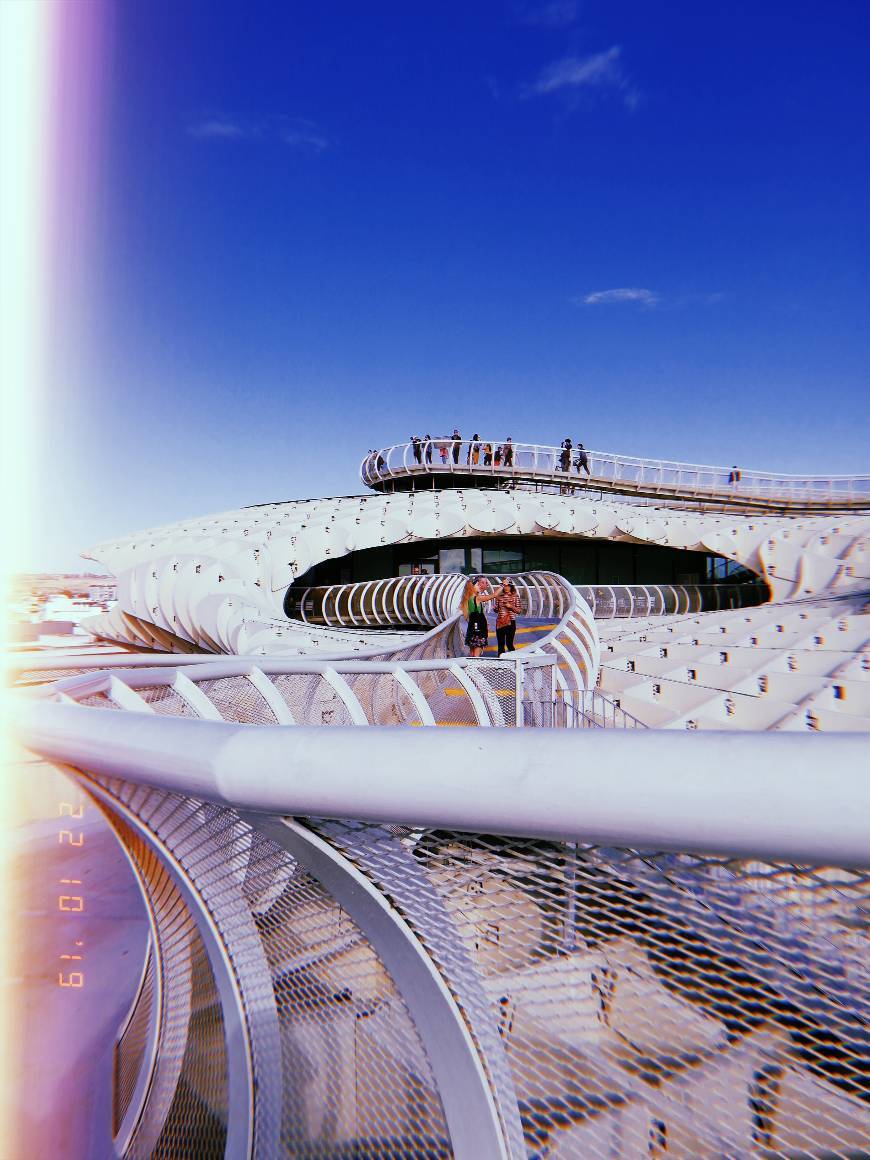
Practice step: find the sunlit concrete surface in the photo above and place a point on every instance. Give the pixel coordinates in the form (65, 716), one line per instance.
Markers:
(63, 1062)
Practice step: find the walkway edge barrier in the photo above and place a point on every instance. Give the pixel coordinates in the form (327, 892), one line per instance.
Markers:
(785, 797)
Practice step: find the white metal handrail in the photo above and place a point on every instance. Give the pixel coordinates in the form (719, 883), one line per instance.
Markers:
(611, 471)
(748, 795)
(451, 691)
(591, 710)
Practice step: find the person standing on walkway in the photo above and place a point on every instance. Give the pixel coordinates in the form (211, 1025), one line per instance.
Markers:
(457, 444)
(582, 459)
(508, 452)
(507, 608)
(428, 447)
(473, 457)
(418, 451)
(565, 457)
(477, 632)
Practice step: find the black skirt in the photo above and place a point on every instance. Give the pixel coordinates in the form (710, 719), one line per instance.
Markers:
(477, 633)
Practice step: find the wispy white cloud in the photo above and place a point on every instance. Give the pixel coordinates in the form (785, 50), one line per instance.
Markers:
(218, 129)
(295, 132)
(551, 14)
(304, 135)
(571, 74)
(647, 299)
(638, 294)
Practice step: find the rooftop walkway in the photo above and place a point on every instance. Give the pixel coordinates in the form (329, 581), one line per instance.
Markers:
(448, 463)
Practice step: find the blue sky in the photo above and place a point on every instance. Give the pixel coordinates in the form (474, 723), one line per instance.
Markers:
(320, 227)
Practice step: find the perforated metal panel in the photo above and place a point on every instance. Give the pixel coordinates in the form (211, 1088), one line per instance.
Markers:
(329, 1062)
(661, 1004)
(185, 1101)
(236, 699)
(620, 1003)
(132, 1045)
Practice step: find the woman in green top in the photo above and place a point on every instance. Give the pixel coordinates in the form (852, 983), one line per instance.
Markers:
(477, 633)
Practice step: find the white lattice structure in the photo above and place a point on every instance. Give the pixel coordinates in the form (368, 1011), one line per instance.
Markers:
(218, 584)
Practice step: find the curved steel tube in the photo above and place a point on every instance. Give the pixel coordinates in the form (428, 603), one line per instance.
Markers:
(475, 1086)
(758, 794)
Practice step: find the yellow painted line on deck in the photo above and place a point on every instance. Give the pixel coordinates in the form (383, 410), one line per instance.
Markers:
(462, 692)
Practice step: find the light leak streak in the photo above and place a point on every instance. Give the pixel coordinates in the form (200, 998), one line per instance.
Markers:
(25, 98)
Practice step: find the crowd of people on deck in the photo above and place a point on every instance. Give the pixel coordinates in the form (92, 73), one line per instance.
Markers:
(449, 448)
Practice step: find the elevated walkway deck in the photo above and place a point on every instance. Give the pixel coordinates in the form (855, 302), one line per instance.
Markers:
(448, 463)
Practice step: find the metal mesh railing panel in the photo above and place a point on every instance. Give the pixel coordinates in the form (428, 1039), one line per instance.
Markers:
(236, 699)
(378, 695)
(44, 676)
(656, 1004)
(130, 1048)
(455, 706)
(312, 700)
(164, 699)
(97, 701)
(361, 1081)
(186, 1108)
(337, 1064)
(497, 684)
(605, 604)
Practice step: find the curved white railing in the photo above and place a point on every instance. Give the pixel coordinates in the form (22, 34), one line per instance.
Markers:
(546, 940)
(651, 794)
(451, 691)
(622, 600)
(542, 464)
(426, 683)
(423, 601)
